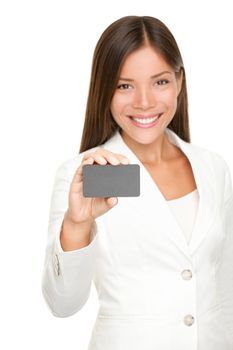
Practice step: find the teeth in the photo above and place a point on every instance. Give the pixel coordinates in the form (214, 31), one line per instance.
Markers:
(145, 120)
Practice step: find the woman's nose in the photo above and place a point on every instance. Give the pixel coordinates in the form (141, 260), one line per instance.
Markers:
(144, 99)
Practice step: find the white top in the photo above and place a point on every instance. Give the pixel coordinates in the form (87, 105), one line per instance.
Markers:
(185, 210)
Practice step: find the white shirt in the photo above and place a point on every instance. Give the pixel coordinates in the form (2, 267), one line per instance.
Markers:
(154, 290)
(185, 211)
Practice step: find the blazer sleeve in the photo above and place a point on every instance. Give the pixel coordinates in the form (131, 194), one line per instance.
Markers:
(67, 275)
(225, 269)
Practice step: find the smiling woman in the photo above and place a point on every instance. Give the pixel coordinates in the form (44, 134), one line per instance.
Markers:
(162, 262)
(148, 100)
(145, 78)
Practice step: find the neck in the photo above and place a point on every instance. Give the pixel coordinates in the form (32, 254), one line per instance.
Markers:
(152, 154)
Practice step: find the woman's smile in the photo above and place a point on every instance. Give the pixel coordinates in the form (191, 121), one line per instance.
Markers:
(145, 122)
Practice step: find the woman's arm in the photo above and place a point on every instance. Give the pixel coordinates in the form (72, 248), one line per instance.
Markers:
(67, 275)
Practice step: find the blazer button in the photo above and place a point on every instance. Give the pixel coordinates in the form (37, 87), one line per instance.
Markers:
(188, 320)
(186, 274)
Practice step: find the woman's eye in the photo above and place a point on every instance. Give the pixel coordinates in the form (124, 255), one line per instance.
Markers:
(162, 82)
(126, 86)
(123, 86)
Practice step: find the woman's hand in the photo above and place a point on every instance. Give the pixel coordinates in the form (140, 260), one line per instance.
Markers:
(83, 210)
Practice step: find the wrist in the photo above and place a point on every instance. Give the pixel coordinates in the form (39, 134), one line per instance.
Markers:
(68, 218)
(75, 235)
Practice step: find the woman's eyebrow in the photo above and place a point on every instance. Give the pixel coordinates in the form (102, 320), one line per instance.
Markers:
(153, 76)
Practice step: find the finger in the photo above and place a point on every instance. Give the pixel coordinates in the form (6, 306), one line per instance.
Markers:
(101, 156)
(110, 156)
(78, 176)
(112, 201)
(99, 159)
(123, 159)
(89, 154)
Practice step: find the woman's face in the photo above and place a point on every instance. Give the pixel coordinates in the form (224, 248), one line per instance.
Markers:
(147, 89)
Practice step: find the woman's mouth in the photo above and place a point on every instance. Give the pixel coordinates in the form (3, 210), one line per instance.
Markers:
(145, 122)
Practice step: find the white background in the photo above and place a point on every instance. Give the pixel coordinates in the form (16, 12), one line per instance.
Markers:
(45, 61)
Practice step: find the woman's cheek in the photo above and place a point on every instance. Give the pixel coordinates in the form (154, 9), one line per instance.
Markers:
(168, 97)
(118, 101)
(121, 105)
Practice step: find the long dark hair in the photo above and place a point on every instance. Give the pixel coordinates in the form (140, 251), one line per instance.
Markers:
(121, 38)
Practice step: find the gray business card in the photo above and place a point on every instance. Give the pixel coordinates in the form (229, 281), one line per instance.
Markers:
(111, 180)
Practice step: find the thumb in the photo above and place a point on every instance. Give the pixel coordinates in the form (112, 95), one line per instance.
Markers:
(112, 201)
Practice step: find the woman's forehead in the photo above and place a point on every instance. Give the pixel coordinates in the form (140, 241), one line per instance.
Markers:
(145, 60)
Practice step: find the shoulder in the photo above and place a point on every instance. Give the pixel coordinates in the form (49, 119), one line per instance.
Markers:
(218, 167)
(213, 158)
(199, 153)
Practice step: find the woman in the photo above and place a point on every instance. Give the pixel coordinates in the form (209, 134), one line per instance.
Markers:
(162, 263)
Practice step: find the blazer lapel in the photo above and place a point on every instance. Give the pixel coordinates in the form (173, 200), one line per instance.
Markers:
(157, 211)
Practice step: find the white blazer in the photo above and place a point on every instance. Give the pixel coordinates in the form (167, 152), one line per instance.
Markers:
(156, 291)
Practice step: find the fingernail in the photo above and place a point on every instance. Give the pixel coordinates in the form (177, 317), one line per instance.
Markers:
(125, 161)
(114, 201)
(115, 161)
